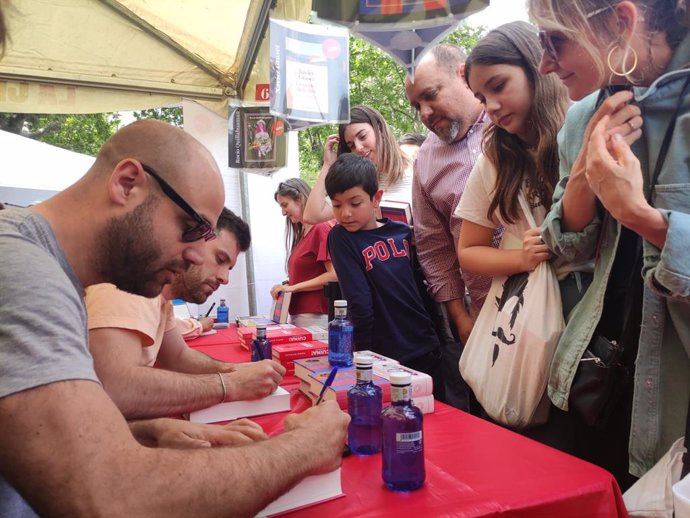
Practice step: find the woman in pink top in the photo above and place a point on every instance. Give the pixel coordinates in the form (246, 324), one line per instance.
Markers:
(308, 264)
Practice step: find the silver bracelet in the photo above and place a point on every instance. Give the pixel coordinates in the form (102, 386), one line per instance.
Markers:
(225, 390)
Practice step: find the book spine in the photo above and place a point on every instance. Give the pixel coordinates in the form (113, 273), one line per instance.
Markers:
(298, 355)
(278, 339)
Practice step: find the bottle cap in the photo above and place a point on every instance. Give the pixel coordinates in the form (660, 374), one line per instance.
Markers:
(340, 303)
(222, 301)
(400, 378)
(364, 360)
(261, 326)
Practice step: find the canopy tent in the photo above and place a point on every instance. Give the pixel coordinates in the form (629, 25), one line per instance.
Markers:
(82, 56)
(87, 56)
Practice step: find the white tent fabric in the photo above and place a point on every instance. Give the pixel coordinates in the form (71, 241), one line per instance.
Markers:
(81, 56)
(29, 164)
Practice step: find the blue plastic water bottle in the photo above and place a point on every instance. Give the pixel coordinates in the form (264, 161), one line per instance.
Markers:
(261, 346)
(340, 336)
(364, 403)
(403, 442)
(222, 312)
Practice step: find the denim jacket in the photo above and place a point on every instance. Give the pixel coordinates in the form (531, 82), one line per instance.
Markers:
(662, 375)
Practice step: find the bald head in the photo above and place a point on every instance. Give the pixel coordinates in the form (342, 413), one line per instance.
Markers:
(172, 152)
(439, 93)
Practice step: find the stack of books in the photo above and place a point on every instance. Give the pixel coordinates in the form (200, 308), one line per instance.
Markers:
(253, 321)
(282, 334)
(312, 373)
(286, 354)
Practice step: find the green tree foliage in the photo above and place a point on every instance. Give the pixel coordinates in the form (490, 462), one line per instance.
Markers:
(172, 115)
(83, 133)
(378, 81)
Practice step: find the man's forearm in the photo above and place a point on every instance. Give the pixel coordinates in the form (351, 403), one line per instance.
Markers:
(461, 318)
(145, 392)
(192, 361)
(104, 472)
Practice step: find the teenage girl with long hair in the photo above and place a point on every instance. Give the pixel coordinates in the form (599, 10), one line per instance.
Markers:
(520, 153)
(308, 264)
(520, 159)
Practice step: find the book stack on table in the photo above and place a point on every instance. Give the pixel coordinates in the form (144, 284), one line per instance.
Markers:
(282, 334)
(286, 354)
(312, 373)
(289, 342)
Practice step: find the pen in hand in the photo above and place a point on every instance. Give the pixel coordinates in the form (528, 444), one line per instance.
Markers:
(209, 310)
(328, 383)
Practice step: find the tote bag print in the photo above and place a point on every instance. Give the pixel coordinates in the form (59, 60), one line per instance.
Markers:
(508, 354)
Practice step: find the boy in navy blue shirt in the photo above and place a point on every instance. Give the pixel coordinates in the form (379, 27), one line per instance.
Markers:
(372, 260)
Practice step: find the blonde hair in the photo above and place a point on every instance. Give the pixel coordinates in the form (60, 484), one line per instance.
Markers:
(587, 23)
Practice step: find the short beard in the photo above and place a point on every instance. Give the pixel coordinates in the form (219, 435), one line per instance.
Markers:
(187, 286)
(130, 251)
(449, 134)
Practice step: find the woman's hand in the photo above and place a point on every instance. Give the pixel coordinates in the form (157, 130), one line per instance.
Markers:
(579, 201)
(621, 117)
(329, 153)
(275, 290)
(614, 173)
(534, 251)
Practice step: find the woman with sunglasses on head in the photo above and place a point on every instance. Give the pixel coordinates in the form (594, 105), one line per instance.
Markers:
(308, 264)
(367, 135)
(613, 146)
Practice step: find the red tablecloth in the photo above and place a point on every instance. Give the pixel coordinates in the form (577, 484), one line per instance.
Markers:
(473, 468)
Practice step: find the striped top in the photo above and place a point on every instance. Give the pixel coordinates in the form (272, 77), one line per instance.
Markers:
(440, 174)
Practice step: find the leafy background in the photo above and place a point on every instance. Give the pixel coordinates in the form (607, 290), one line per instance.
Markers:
(375, 80)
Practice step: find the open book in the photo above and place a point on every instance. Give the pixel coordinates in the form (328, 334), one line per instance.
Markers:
(312, 490)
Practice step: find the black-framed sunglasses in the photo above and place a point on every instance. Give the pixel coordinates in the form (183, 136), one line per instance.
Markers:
(546, 38)
(203, 229)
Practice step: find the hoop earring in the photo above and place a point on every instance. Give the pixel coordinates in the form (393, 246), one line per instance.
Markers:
(623, 73)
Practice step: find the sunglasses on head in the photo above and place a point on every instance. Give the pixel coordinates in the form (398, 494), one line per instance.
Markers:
(203, 229)
(551, 47)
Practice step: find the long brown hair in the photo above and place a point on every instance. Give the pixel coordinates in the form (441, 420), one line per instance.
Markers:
(297, 190)
(391, 160)
(517, 44)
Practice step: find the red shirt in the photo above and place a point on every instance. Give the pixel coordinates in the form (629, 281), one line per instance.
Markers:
(306, 262)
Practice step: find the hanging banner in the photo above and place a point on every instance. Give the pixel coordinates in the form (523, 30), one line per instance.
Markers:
(256, 139)
(309, 82)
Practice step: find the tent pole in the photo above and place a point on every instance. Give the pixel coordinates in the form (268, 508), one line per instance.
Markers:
(249, 254)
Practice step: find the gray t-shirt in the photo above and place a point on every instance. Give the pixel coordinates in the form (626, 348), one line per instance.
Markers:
(43, 334)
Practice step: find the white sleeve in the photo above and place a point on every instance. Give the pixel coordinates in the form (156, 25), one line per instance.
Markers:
(476, 197)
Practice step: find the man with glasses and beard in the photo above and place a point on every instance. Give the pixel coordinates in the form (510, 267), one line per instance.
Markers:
(448, 108)
(129, 333)
(138, 217)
